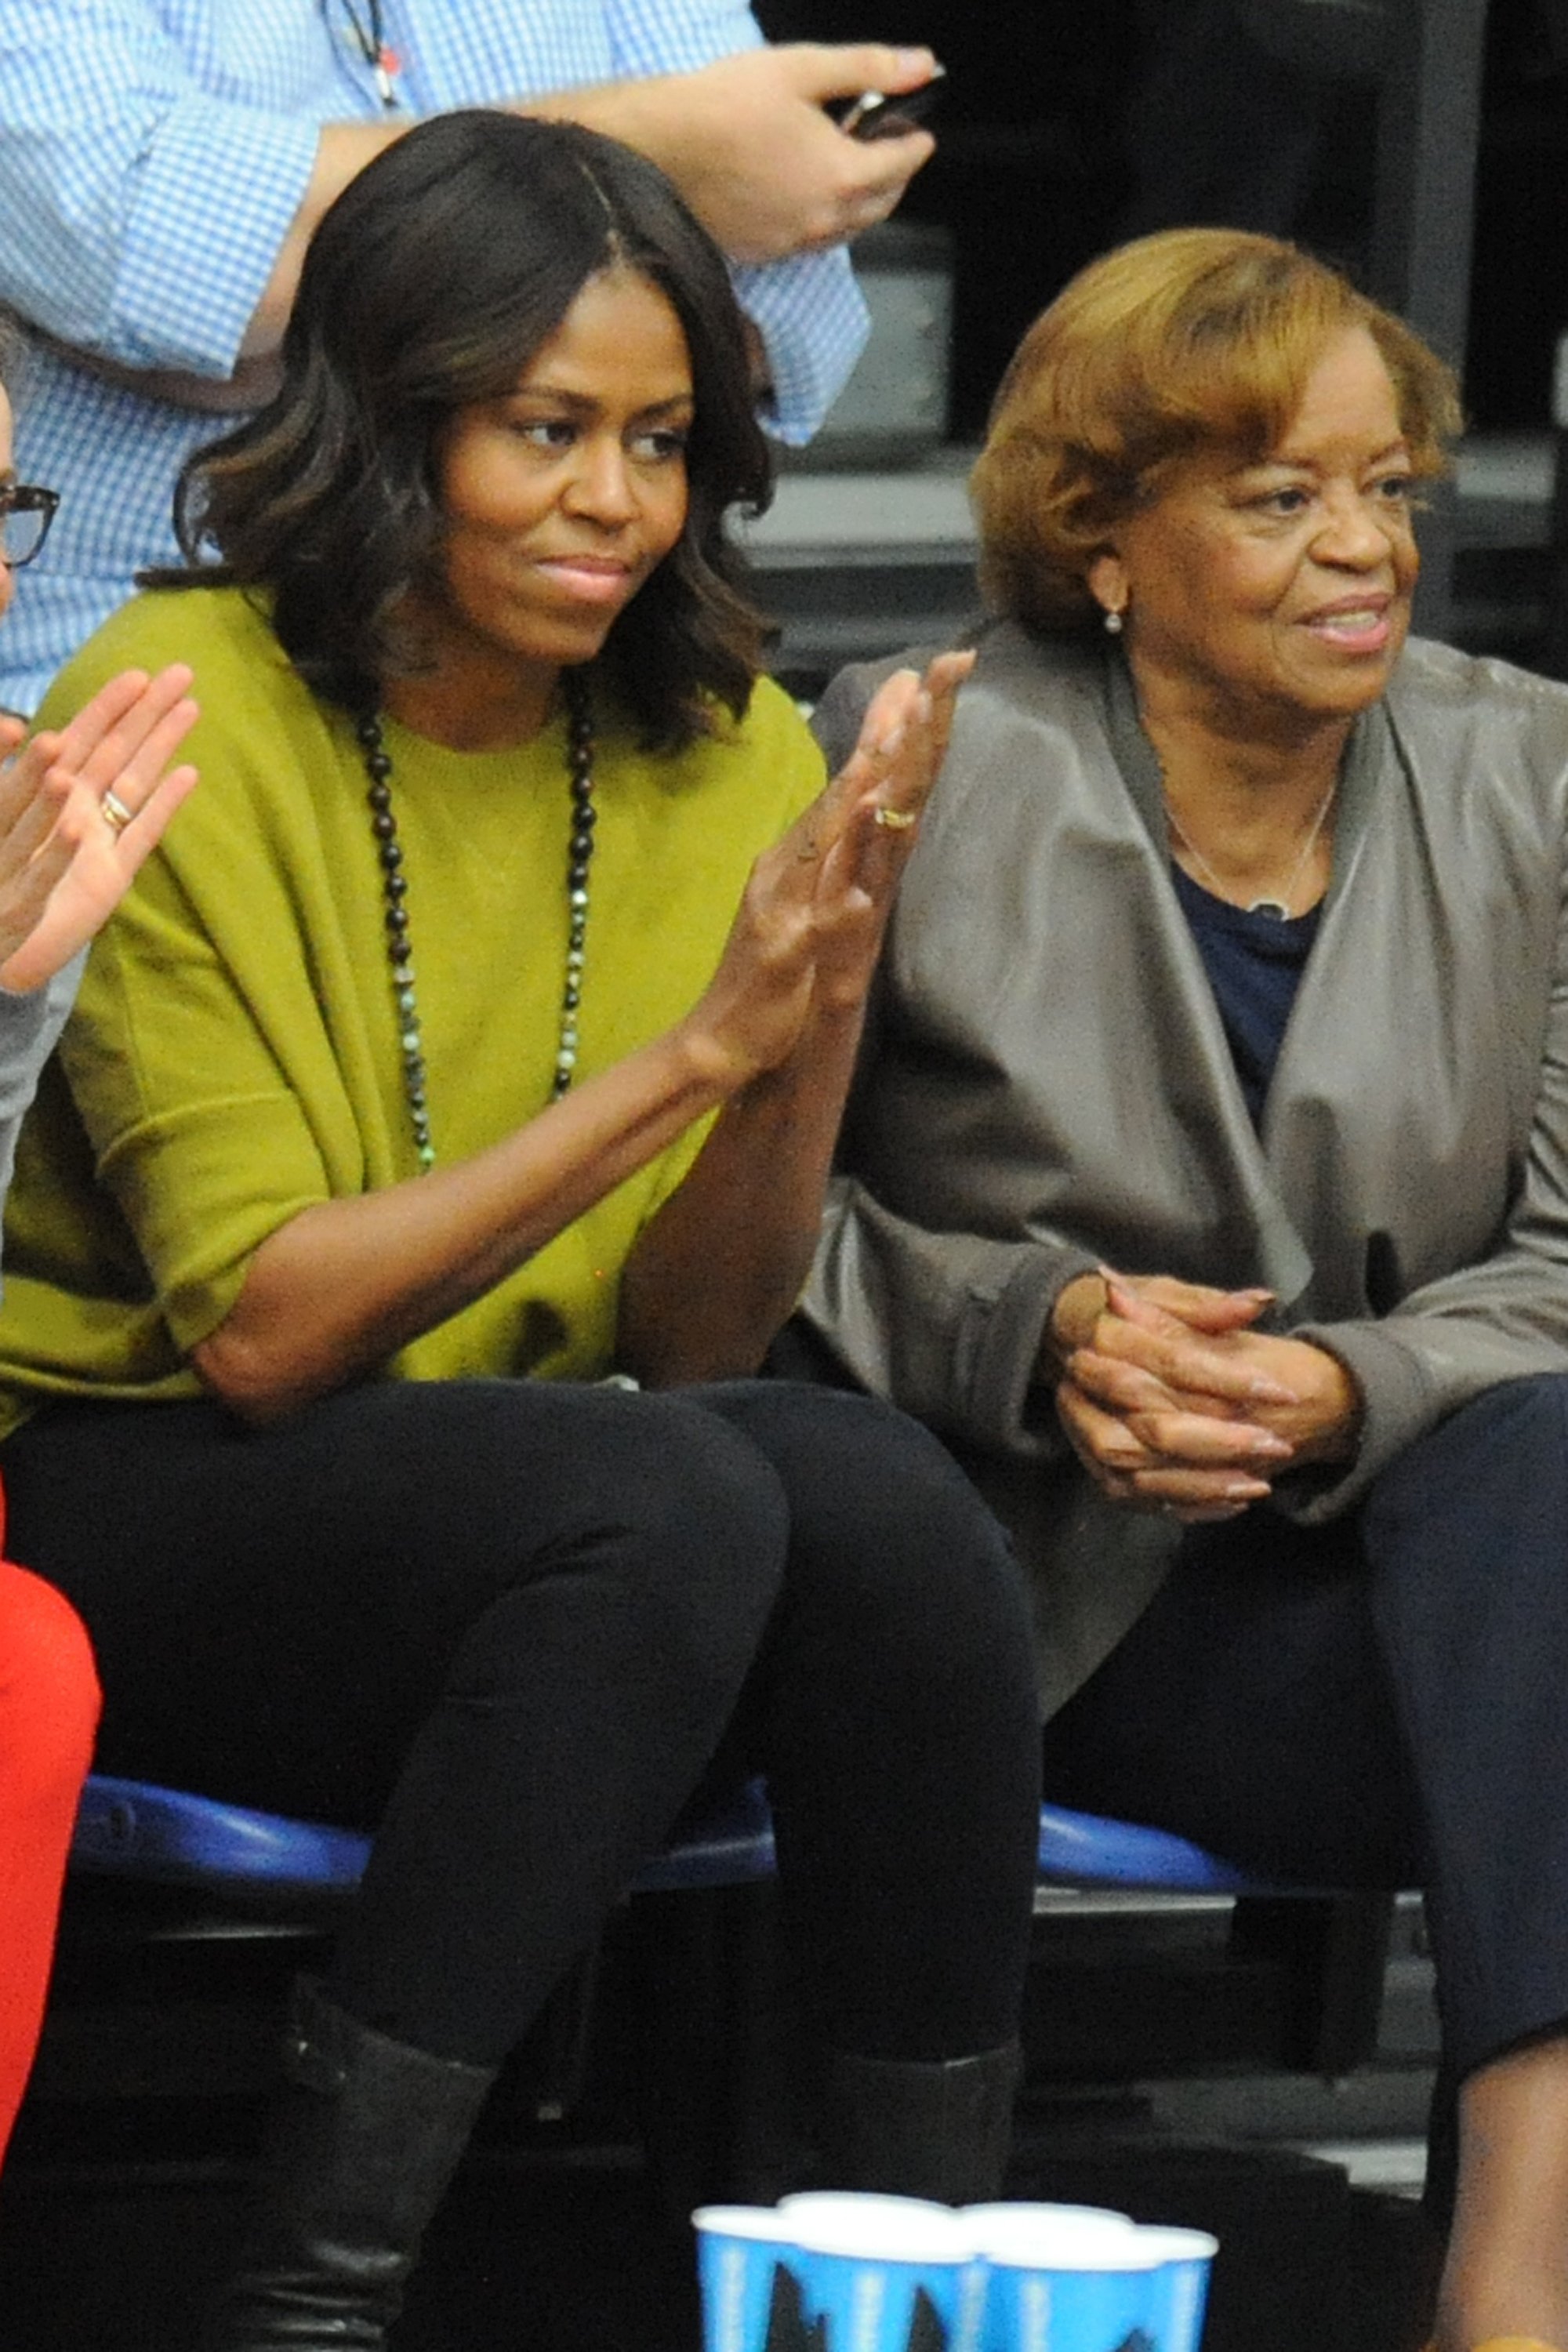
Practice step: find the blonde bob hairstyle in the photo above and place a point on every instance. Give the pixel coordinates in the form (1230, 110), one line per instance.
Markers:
(1189, 342)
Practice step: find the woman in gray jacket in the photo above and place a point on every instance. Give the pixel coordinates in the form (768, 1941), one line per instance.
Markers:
(79, 812)
(1206, 1182)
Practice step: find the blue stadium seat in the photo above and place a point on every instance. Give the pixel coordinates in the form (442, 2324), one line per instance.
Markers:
(717, 1964)
(130, 1829)
(1088, 1850)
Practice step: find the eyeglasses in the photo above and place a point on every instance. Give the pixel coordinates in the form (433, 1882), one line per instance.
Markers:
(25, 514)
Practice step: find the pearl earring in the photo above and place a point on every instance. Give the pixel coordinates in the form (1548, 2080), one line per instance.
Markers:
(1112, 623)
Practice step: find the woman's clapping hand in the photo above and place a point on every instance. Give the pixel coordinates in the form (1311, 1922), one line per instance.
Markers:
(806, 941)
(80, 807)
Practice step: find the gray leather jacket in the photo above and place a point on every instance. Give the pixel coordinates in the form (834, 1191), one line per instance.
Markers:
(1046, 1087)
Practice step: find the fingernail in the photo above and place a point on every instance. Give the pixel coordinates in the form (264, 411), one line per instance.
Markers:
(1271, 1393)
(916, 62)
(1256, 1290)
(1270, 1449)
(1246, 1490)
(888, 744)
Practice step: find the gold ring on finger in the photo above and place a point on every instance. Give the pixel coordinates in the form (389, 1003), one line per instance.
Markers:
(115, 816)
(896, 820)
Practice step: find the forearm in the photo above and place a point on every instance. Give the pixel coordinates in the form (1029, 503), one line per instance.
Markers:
(333, 1294)
(747, 141)
(641, 114)
(721, 1267)
(143, 210)
(343, 152)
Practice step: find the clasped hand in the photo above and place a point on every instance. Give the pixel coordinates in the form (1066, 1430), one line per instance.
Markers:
(804, 943)
(1173, 1402)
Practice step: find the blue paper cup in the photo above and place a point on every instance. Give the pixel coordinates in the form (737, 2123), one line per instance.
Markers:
(1062, 2281)
(1180, 2286)
(1013, 2213)
(853, 2210)
(740, 2250)
(886, 2273)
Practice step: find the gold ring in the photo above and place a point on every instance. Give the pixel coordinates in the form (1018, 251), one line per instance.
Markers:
(896, 820)
(115, 816)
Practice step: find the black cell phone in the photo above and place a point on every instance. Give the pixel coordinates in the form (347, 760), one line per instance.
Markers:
(876, 115)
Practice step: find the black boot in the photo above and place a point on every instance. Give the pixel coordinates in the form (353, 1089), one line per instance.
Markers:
(939, 2129)
(358, 2157)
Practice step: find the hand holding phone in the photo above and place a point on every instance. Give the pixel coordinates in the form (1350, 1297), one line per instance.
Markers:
(875, 114)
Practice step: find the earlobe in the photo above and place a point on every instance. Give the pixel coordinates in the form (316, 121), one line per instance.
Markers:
(1106, 581)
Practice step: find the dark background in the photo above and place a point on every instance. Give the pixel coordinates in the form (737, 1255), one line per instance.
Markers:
(1067, 124)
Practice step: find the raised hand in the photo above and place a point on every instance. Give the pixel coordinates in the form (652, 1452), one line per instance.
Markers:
(80, 807)
(805, 939)
(879, 795)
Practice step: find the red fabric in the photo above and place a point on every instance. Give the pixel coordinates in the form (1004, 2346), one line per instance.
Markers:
(49, 1713)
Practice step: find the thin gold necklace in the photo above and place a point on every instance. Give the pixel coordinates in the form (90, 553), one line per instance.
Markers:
(1279, 908)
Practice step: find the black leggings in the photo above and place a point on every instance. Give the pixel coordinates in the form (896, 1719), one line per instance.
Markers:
(511, 1622)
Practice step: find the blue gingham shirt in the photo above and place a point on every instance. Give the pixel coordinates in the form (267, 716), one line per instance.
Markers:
(152, 154)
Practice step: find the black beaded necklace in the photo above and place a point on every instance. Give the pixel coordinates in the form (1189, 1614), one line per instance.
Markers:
(395, 890)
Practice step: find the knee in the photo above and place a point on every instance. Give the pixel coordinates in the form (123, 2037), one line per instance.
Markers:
(1503, 1454)
(697, 1536)
(48, 1681)
(886, 1531)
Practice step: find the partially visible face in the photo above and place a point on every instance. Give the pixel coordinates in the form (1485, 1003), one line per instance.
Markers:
(564, 495)
(7, 471)
(1280, 588)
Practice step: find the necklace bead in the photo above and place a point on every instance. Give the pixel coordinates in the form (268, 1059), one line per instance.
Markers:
(395, 890)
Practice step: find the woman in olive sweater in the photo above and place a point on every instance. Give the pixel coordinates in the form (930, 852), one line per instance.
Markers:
(485, 1033)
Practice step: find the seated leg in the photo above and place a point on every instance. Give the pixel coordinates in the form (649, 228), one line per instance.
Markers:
(49, 1709)
(893, 1710)
(1467, 1536)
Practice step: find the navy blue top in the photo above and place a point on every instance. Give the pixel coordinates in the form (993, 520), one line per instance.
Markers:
(1254, 964)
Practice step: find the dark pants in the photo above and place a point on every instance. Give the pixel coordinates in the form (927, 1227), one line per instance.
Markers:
(1380, 1702)
(512, 1622)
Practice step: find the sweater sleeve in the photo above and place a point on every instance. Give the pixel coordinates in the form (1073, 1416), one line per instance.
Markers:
(195, 1133)
(200, 1066)
(29, 1025)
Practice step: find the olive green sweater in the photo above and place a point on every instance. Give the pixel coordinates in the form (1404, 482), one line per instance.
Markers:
(234, 1056)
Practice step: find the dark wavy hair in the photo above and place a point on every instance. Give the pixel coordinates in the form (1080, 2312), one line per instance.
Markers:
(429, 284)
